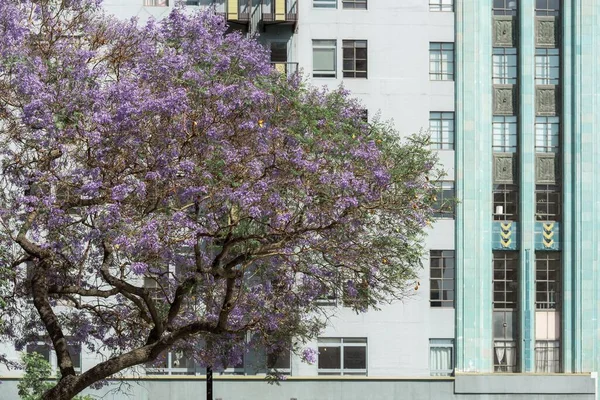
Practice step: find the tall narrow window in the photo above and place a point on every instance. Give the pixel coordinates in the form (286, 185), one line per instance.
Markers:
(505, 7)
(547, 7)
(324, 58)
(441, 129)
(547, 279)
(505, 327)
(506, 203)
(441, 61)
(441, 5)
(441, 357)
(547, 203)
(441, 278)
(444, 206)
(354, 4)
(504, 66)
(355, 58)
(547, 66)
(504, 134)
(547, 134)
(342, 356)
(548, 273)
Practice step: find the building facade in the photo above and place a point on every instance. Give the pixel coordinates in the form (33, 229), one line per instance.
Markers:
(508, 303)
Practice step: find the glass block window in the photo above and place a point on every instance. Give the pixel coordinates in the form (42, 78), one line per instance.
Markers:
(342, 356)
(505, 7)
(441, 357)
(506, 203)
(441, 5)
(547, 7)
(504, 66)
(441, 130)
(325, 3)
(355, 58)
(547, 134)
(505, 281)
(547, 279)
(444, 206)
(324, 58)
(441, 278)
(547, 356)
(547, 203)
(547, 66)
(441, 61)
(354, 4)
(504, 134)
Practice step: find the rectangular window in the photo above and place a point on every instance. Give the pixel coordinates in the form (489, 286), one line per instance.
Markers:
(506, 291)
(504, 134)
(547, 279)
(280, 361)
(506, 203)
(156, 3)
(505, 356)
(42, 349)
(441, 61)
(325, 3)
(342, 356)
(504, 66)
(441, 278)
(444, 203)
(172, 363)
(354, 4)
(441, 129)
(547, 203)
(441, 357)
(355, 58)
(547, 356)
(547, 134)
(441, 5)
(505, 7)
(547, 7)
(324, 58)
(547, 66)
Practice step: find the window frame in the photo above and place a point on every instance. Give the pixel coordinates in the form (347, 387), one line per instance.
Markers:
(169, 368)
(443, 257)
(52, 359)
(546, 71)
(547, 134)
(441, 69)
(441, 139)
(504, 61)
(342, 343)
(547, 10)
(544, 262)
(446, 192)
(501, 7)
(326, 4)
(353, 45)
(503, 138)
(505, 191)
(156, 3)
(319, 44)
(508, 283)
(346, 4)
(547, 196)
(441, 5)
(543, 365)
(272, 366)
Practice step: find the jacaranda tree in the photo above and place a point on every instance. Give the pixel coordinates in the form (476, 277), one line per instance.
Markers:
(163, 188)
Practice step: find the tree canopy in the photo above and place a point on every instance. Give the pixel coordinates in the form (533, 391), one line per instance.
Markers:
(162, 187)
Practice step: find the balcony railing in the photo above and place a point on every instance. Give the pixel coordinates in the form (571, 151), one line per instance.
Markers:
(280, 10)
(233, 10)
(288, 68)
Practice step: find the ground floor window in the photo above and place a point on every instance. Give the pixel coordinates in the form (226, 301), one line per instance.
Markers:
(547, 356)
(441, 357)
(342, 356)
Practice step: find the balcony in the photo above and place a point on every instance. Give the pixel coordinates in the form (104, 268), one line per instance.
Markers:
(280, 12)
(287, 68)
(238, 11)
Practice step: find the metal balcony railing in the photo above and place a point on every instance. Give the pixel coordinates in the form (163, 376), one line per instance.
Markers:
(280, 10)
(233, 10)
(288, 68)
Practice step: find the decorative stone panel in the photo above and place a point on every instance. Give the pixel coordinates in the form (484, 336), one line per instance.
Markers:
(546, 169)
(504, 100)
(546, 100)
(504, 31)
(547, 236)
(546, 33)
(504, 168)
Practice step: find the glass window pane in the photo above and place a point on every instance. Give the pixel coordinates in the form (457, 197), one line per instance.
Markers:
(355, 357)
(329, 357)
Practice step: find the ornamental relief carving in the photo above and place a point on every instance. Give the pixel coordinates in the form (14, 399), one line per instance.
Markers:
(504, 32)
(504, 100)
(546, 171)
(545, 32)
(545, 100)
(504, 168)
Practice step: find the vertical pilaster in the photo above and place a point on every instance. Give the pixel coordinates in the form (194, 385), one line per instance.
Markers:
(526, 54)
(474, 186)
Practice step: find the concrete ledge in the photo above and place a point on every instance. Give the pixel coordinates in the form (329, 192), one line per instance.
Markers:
(524, 384)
